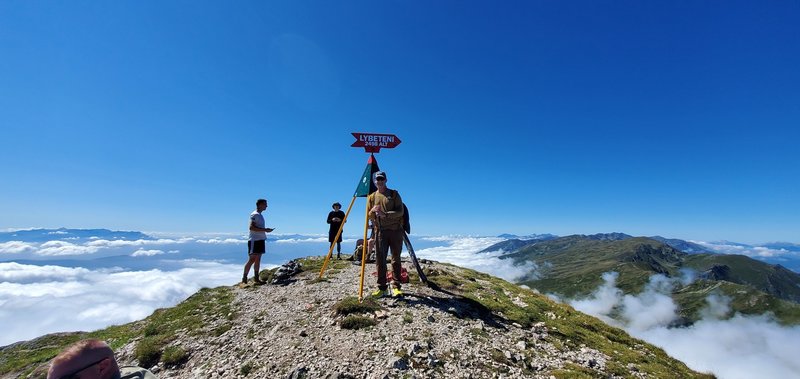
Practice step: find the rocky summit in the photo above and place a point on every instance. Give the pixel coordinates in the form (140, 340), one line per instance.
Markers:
(462, 324)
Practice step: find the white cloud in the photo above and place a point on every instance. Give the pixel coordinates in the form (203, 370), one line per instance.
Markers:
(652, 308)
(750, 251)
(301, 240)
(146, 253)
(221, 241)
(56, 248)
(94, 299)
(123, 243)
(603, 300)
(736, 348)
(16, 247)
(461, 251)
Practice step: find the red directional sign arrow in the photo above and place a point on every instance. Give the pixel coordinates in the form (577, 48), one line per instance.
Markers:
(372, 142)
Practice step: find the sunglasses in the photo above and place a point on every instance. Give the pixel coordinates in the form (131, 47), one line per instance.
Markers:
(74, 374)
(380, 179)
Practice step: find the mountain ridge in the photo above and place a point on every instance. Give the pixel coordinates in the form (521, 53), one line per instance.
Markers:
(573, 266)
(465, 323)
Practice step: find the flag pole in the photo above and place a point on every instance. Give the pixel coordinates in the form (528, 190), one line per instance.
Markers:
(364, 253)
(338, 233)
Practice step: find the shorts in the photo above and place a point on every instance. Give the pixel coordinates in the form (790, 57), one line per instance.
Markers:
(256, 247)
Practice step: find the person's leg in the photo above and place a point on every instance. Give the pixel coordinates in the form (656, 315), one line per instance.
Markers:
(380, 261)
(338, 250)
(249, 261)
(396, 246)
(257, 266)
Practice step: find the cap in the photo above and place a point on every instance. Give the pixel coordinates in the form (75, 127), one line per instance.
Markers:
(380, 174)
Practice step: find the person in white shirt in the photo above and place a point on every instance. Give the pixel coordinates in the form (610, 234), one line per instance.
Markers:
(256, 244)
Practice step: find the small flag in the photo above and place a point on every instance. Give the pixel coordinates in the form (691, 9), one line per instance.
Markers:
(366, 186)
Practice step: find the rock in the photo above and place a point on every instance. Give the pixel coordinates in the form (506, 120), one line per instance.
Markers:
(297, 373)
(413, 349)
(400, 363)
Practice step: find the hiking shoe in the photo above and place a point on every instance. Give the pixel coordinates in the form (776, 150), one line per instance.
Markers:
(379, 293)
(396, 292)
(260, 282)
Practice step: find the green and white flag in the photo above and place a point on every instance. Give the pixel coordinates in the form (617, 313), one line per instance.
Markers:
(365, 185)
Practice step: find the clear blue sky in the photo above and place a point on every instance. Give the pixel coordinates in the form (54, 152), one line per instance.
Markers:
(677, 118)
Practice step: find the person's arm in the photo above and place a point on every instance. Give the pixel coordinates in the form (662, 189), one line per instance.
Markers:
(374, 209)
(254, 228)
(330, 217)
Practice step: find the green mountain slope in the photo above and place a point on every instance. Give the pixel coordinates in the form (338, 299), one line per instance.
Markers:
(572, 267)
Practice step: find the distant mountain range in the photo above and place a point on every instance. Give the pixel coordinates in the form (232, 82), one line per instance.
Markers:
(43, 235)
(515, 242)
(573, 266)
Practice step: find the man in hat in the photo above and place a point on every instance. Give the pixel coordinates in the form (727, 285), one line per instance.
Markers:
(386, 212)
(335, 219)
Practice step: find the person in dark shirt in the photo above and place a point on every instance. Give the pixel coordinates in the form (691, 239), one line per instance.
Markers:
(335, 219)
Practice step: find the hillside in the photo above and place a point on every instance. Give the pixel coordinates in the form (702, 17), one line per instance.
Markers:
(466, 324)
(573, 266)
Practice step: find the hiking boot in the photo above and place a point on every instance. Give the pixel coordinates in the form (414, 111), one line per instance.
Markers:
(379, 293)
(259, 282)
(396, 292)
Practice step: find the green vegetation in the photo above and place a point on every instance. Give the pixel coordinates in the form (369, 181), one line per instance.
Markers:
(247, 368)
(567, 328)
(156, 332)
(148, 350)
(357, 322)
(572, 267)
(350, 305)
(174, 356)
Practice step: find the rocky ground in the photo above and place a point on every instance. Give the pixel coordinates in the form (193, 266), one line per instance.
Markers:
(292, 331)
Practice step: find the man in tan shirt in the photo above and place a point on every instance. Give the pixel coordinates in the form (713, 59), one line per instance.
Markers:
(386, 212)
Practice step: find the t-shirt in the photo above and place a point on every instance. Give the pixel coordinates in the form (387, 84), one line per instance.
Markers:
(258, 219)
(392, 205)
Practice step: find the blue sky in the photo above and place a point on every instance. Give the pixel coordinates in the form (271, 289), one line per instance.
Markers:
(670, 118)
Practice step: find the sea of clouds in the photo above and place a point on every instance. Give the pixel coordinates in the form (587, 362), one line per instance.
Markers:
(88, 283)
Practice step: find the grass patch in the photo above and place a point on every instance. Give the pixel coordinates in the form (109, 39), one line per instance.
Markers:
(351, 305)
(478, 332)
(357, 322)
(247, 368)
(408, 317)
(174, 356)
(148, 351)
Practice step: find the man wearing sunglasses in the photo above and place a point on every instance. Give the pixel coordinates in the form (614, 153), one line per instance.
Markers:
(386, 211)
(92, 359)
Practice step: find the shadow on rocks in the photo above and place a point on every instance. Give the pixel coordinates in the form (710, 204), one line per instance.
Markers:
(458, 306)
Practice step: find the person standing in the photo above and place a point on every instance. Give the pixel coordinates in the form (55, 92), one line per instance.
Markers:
(335, 219)
(386, 211)
(257, 243)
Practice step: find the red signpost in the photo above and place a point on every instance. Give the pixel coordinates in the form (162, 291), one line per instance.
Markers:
(372, 142)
